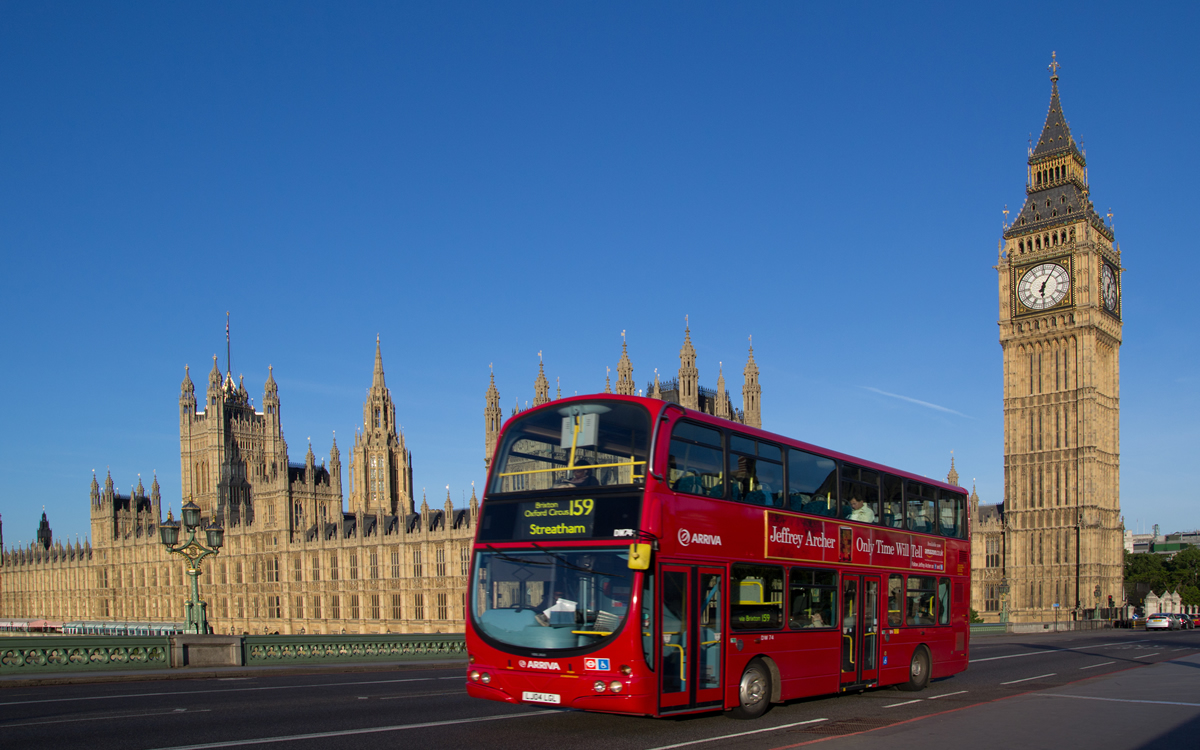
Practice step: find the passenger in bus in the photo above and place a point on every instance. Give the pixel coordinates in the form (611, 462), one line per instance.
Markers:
(579, 477)
(860, 511)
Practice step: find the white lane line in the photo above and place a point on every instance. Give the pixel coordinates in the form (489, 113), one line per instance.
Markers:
(1027, 679)
(739, 734)
(1101, 664)
(414, 696)
(1146, 656)
(351, 732)
(108, 717)
(225, 690)
(1185, 648)
(1080, 649)
(1114, 700)
(944, 695)
(905, 703)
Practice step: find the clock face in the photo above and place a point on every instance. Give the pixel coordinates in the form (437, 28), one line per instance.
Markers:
(1043, 286)
(1108, 288)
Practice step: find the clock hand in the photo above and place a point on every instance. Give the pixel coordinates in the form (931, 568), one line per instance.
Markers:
(1042, 291)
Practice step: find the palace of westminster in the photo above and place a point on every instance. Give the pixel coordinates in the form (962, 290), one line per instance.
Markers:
(298, 560)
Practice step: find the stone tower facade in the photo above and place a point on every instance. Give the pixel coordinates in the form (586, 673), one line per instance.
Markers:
(380, 465)
(1059, 274)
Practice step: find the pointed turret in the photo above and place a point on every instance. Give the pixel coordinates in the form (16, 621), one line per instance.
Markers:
(377, 377)
(187, 395)
(95, 493)
(722, 409)
(492, 417)
(952, 475)
(625, 371)
(751, 392)
(214, 384)
(473, 503)
(108, 486)
(44, 535)
(689, 376)
(657, 392)
(541, 386)
(607, 380)
(139, 491)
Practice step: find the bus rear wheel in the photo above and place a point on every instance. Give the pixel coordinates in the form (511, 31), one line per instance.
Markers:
(918, 671)
(754, 692)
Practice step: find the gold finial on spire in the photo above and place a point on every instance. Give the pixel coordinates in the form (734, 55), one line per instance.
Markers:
(1053, 66)
(1006, 216)
(686, 324)
(539, 355)
(622, 334)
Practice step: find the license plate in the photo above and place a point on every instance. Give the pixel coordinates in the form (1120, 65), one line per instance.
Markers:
(541, 697)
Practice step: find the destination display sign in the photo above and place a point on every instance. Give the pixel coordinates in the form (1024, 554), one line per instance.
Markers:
(789, 537)
(556, 519)
(596, 517)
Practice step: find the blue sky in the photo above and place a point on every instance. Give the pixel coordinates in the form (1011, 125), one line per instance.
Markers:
(475, 182)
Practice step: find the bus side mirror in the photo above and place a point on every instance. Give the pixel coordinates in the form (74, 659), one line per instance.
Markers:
(639, 556)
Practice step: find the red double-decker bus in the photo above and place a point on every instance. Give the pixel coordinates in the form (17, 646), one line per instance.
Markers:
(636, 557)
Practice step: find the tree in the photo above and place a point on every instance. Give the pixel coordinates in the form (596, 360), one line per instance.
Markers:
(974, 616)
(1185, 567)
(1146, 568)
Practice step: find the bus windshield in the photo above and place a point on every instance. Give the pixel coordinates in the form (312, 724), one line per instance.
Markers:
(551, 599)
(581, 444)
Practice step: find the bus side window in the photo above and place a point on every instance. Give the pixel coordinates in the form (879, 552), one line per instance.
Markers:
(695, 463)
(893, 501)
(756, 594)
(944, 601)
(895, 616)
(812, 598)
(922, 598)
(812, 483)
(946, 519)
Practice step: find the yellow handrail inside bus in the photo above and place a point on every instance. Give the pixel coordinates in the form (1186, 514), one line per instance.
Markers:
(682, 659)
(761, 593)
(571, 467)
(590, 632)
(849, 638)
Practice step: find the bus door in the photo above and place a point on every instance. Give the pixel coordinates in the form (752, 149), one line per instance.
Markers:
(691, 626)
(860, 629)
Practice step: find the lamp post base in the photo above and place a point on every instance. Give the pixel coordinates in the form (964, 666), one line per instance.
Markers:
(196, 622)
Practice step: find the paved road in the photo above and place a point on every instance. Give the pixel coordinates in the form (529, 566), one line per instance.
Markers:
(1033, 691)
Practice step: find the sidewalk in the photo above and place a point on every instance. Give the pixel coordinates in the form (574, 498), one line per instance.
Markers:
(1147, 707)
(186, 673)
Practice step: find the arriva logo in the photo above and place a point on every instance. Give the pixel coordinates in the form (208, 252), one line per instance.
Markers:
(535, 664)
(686, 537)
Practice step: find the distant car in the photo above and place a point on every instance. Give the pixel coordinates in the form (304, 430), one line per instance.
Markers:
(1186, 622)
(1162, 621)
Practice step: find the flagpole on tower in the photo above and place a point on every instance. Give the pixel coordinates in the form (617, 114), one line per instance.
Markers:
(228, 363)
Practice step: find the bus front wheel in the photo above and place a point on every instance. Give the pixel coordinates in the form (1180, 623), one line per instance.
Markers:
(754, 692)
(918, 671)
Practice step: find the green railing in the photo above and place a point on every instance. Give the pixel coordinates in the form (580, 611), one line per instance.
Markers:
(322, 649)
(988, 628)
(24, 654)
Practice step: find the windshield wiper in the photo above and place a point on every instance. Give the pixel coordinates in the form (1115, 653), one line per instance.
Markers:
(501, 556)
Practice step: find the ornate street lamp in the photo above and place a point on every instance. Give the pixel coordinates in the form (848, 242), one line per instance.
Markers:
(192, 551)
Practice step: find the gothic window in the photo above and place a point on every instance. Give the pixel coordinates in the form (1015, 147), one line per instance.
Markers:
(1041, 557)
(397, 607)
(374, 564)
(374, 606)
(335, 606)
(333, 566)
(238, 573)
(418, 606)
(441, 564)
(417, 564)
(316, 607)
(298, 569)
(396, 564)
(316, 567)
(442, 613)
(353, 566)
(298, 613)
(463, 559)
(378, 417)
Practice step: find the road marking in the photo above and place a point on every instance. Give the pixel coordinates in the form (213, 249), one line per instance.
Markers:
(905, 703)
(227, 690)
(1147, 656)
(739, 734)
(107, 717)
(1052, 650)
(362, 697)
(1114, 700)
(351, 732)
(1101, 664)
(1027, 679)
(1185, 648)
(944, 695)
(411, 696)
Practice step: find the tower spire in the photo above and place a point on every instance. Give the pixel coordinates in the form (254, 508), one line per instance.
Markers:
(228, 348)
(625, 371)
(377, 379)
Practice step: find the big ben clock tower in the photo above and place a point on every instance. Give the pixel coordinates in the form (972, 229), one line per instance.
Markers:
(1060, 331)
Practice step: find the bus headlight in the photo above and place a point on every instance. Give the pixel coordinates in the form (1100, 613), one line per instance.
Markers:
(626, 670)
(474, 675)
(485, 678)
(615, 686)
(599, 686)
